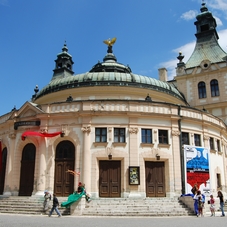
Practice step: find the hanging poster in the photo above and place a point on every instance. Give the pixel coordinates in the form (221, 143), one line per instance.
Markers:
(197, 168)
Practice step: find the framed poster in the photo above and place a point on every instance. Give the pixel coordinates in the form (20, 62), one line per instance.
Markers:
(197, 170)
(134, 175)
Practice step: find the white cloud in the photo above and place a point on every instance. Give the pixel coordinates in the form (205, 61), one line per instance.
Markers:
(218, 21)
(222, 39)
(191, 14)
(220, 5)
(217, 4)
(187, 50)
(171, 65)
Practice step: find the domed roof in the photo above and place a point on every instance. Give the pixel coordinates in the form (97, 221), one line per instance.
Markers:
(107, 73)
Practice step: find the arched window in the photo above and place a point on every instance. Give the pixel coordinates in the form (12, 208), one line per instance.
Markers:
(214, 88)
(202, 90)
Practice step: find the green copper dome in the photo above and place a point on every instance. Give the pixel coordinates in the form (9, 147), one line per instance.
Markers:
(106, 73)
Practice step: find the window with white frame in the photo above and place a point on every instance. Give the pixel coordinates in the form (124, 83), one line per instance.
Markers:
(197, 139)
(146, 135)
(211, 143)
(101, 135)
(218, 145)
(163, 136)
(185, 138)
(119, 135)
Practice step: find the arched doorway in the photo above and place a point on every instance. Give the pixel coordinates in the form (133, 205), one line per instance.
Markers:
(3, 170)
(27, 170)
(64, 160)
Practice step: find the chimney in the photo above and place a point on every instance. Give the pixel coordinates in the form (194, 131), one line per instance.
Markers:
(163, 74)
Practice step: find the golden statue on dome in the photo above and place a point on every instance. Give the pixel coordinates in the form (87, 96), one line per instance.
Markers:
(110, 43)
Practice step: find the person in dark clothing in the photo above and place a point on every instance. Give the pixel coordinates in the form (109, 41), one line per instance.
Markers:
(80, 188)
(55, 206)
(194, 191)
(221, 197)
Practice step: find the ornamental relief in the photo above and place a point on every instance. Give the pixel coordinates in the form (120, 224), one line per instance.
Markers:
(205, 137)
(133, 130)
(12, 135)
(43, 130)
(175, 132)
(86, 129)
(223, 142)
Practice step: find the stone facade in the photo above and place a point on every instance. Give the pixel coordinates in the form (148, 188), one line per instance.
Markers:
(101, 117)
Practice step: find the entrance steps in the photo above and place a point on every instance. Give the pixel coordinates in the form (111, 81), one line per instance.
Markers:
(136, 207)
(100, 206)
(27, 205)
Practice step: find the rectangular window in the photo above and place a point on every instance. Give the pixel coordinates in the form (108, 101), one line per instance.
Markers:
(146, 135)
(211, 143)
(100, 135)
(119, 135)
(163, 136)
(218, 145)
(185, 138)
(197, 140)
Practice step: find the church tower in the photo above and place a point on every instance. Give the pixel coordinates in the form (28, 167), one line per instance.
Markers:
(203, 78)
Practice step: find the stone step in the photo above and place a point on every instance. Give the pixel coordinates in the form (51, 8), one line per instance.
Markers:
(142, 207)
(101, 207)
(27, 205)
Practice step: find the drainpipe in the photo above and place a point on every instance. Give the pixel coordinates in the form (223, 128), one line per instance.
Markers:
(181, 153)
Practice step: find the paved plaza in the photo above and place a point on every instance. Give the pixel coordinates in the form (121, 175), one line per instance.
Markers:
(10, 220)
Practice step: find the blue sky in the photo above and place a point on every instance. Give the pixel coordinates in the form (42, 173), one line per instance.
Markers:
(149, 36)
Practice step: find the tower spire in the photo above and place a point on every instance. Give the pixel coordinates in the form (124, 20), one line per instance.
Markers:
(63, 63)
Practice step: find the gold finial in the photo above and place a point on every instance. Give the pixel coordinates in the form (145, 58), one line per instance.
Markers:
(110, 42)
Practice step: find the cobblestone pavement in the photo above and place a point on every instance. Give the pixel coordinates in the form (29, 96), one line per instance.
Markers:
(10, 220)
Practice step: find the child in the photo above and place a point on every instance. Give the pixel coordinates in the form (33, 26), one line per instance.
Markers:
(200, 204)
(212, 205)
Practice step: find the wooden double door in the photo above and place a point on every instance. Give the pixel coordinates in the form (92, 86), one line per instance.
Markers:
(3, 170)
(27, 170)
(109, 178)
(64, 160)
(155, 179)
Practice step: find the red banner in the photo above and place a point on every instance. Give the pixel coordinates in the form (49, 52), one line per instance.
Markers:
(31, 133)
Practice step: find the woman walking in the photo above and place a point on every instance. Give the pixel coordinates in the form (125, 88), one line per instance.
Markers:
(221, 198)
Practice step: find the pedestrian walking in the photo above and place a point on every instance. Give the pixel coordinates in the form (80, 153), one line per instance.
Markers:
(55, 206)
(200, 204)
(47, 199)
(221, 198)
(194, 191)
(212, 205)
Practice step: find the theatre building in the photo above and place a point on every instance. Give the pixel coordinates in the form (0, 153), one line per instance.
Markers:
(126, 135)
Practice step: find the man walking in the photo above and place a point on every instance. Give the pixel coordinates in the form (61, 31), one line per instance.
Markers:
(55, 206)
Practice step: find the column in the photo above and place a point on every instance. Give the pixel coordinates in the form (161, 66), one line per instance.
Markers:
(175, 163)
(134, 160)
(86, 168)
(8, 187)
(41, 178)
(133, 147)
